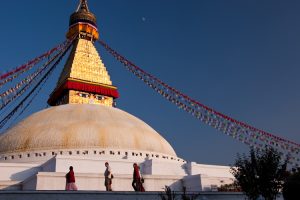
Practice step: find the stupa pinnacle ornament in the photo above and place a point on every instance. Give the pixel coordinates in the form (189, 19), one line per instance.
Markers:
(84, 22)
(83, 6)
(84, 79)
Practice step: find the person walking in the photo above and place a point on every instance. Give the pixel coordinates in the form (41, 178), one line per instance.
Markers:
(70, 180)
(108, 177)
(137, 179)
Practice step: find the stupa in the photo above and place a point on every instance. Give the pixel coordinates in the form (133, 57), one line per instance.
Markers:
(84, 129)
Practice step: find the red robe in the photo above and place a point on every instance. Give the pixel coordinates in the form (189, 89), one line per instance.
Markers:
(70, 177)
(137, 179)
(136, 173)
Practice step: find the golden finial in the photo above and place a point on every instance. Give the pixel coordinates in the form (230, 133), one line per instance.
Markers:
(83, 22)
(83, 6)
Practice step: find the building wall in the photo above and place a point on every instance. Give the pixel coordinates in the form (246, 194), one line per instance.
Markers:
(94, 165)
(207, 177)
(89, 170)
(192, 182)
(119, 165)
(42, 156)
(10, 185)
(209, 170)
(156, 167)
(95, 182)
(17, 172)
(211, 183)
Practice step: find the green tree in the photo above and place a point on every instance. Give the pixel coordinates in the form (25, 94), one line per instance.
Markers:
(291, 186)
(262, 173)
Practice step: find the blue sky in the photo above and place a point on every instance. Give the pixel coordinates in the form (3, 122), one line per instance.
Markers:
(238, 57)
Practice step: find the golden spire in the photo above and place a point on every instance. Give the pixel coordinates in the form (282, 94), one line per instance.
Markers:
(84, 79)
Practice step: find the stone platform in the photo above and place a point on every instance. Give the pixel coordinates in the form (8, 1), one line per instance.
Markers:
(94, 195)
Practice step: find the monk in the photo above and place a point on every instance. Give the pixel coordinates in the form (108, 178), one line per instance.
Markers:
(137, 180)
(70, 180)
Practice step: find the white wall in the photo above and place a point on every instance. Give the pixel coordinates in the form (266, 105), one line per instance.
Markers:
(120, 166)
(30, 183)
(93, 165)
(49, 166)
(207, 177)
(10, 185)
(192, 182)
(209, 170)
(42, 156)
(156, 167)
(210, 183)
(17, 171)
(92, 181)
(89, 173)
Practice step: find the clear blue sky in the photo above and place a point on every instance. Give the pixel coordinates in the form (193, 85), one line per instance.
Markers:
(239, 57)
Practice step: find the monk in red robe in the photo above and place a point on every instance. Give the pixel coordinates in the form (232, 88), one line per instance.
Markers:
(137, 180)
(70, 180)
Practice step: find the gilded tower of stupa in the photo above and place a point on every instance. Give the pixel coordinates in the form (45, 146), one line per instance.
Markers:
(84, 79)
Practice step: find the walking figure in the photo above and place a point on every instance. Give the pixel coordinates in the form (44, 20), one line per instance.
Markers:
(137, 182)
(70, 180)
(108, 177)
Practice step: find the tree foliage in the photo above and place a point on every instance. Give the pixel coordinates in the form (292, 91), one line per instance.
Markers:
(262, 173)
(291, 187)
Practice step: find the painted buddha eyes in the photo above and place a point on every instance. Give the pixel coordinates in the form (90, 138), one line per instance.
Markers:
(98, 97)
